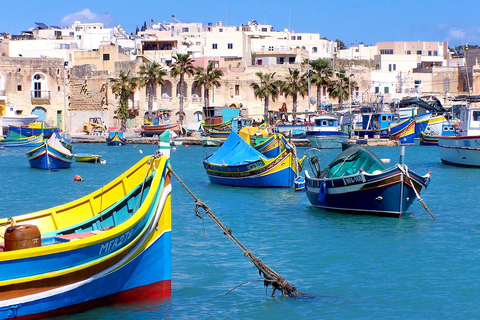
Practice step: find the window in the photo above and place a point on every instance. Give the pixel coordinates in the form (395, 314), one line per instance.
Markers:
(389, 67)
(419, 51)
(19, 87)
(220, 30)
(409, 52)
(282, 48)
(293, 37)
(106, 56)
(71, 33)
(264, 29)
(214, 46)
(237, 89)
(476, 116)
(314, 49)
(377, 89)
(291, 60)
(58, 88)
(280, 60)
(185, 29)
(271, 48)
(330, 123)
(386, 51)
(385, 90)
(198, 43)
(392, 67)
(262, 47)
(299, 37)
(230, 46)
(79, 37)
(429, 52)
(435, 53)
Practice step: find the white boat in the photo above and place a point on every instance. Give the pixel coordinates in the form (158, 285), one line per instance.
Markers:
(463, 149)
(325, 133)
(19, 119)
(209, 142)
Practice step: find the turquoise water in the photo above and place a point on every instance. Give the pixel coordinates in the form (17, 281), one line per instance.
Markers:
(350, 266)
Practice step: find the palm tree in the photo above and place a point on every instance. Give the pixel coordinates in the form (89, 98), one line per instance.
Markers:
(320, 76)
(183, 65)
(208, 78)
(151, 75)
(124, 86)
(340, 88)
(294, 85)
(266, 88)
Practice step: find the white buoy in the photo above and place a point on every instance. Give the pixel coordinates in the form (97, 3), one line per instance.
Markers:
(140, 151)
(174, 149)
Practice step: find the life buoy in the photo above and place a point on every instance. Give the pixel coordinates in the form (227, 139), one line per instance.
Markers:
(322, 192)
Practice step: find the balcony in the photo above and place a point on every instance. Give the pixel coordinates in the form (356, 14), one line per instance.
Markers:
(40, 96)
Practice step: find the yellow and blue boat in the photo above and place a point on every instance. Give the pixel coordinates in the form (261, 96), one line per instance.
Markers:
(115, 138)
(237, 163)
(14, 139)
(52, 154)
(112, 246)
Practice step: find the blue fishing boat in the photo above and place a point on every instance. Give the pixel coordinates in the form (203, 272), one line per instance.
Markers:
(271, 146)
(357, 181)
(50, 155)
(110, 247)
(237, 163)
(14, 139)
(407, 135)
(115, 138)
(325, 133)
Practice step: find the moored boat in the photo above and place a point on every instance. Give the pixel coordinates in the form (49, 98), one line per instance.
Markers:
(50, 155)
(358, 182)
(325, 133)
(87, 157)
(34, 129)
(112, 246)
(237, 163)
(116, 138)
(463, 149)
(14, 139)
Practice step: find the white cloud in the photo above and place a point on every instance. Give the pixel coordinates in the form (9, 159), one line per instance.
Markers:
(85, 16)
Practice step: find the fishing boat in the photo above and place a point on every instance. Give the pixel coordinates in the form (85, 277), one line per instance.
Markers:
(270, 146)
(463, 149)
(237, 163)
(50, 155)
(358, 182)
(115, 138)
(325, 133)
(14, 139)
(407, 135)
(34, 129)
(87, 157)
(112, 246)
(430, 138)
(156, 123)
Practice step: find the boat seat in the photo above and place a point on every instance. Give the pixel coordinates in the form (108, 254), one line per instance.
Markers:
(77, 236)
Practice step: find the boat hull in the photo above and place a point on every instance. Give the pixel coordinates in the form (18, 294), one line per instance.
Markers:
(33, 141)
(153, 130)
(29, 131)
(48, 158)
(387, 194)
(460, 151)
(116, 139)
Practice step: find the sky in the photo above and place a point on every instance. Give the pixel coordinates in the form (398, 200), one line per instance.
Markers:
(352, 22)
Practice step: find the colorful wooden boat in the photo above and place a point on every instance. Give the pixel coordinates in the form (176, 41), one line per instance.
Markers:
(357, 181)
(407, 135)
(14, 139)
(112, 246)
(34, 129)
(219, 134)
(50, 155)
(431, 139)
(155, 130)
(271, 146)
(115, 138)
(237, 163)
(87, 157)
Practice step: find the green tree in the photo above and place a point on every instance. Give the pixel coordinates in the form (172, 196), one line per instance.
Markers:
(151, 75)
(340, 87)
(340, 45)
(266, 88)
(124, 86)
(320, 76)
(181, 66)
(207, 78)
(294, 85)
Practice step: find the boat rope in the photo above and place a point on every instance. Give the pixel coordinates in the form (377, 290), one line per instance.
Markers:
(270, 277)
(404, 169)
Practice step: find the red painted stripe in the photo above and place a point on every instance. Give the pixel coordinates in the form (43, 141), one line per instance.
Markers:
(156, 292)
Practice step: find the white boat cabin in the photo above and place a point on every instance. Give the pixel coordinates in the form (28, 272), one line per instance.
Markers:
(325, 123)
(469, 121)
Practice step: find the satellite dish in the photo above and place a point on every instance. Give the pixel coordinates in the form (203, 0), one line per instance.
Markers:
(312, 100)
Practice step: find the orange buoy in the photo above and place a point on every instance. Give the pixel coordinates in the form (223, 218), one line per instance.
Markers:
(186, 146)
(77, 178)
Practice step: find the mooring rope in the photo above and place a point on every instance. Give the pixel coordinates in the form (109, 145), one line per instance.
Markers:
(270, 277)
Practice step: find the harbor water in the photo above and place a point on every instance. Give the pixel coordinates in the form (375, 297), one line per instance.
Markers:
(348, 266)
